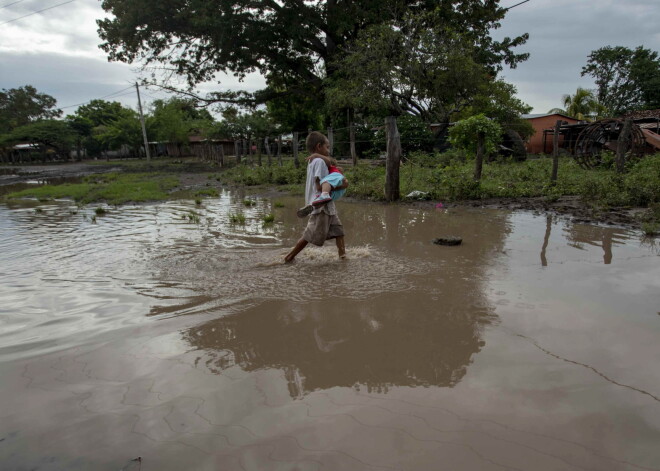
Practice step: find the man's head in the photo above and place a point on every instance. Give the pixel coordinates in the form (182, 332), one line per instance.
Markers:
(317, 143)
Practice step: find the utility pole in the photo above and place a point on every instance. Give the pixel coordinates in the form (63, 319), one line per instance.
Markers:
(144, 129)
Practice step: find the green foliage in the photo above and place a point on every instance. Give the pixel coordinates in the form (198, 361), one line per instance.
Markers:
(464, 134)
(269, 218)
(642, 181)
(285, 41)
(50, 133)
(24, 105)
(249, 202)
(415, 135)
(110, 187)
(237, 218)
(125, 130)
(100, 211)
(583, 105)
(251, 176)
(626, 79)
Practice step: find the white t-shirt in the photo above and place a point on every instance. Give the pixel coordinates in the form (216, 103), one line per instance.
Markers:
(317, 168)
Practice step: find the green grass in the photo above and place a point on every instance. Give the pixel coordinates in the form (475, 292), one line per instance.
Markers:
(100, 211)
(248, 202)
(269, 218)
(279, 204)
(113, 188)
(237, 218)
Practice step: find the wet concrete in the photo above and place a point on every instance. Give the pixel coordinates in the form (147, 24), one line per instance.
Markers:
(533, 345)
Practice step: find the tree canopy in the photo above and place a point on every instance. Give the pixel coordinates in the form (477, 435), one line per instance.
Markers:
(293, 44)
(626, 79)
(25, 105)
(582, 105)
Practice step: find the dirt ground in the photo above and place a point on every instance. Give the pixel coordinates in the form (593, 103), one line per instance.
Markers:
(196, 176)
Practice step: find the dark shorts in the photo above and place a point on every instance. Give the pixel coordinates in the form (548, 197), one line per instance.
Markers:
(322, 227)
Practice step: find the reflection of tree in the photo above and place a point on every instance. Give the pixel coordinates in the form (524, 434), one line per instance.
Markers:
(596, 236)
(425, 336)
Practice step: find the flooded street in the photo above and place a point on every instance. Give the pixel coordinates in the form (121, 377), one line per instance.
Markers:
(167, 332)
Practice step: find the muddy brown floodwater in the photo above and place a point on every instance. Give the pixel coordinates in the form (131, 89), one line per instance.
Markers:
(168, 333)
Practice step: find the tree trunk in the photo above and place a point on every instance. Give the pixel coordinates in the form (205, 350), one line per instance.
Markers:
(479, 159)
(331, 139)
(393, 159)
(352, 139)
(267, 146)
(555, 153)
(294, 145)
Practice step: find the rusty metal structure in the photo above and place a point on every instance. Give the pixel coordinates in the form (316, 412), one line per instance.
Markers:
(587, 142)
(602, 136)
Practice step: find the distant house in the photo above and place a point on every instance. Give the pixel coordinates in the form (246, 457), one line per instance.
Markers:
(537, 143)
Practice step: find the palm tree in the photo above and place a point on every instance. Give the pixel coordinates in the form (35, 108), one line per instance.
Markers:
(583, 105)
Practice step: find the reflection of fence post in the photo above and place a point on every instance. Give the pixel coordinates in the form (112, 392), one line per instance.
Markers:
(393, 159)
(294, 145)
(621, 145)
(555, 153)
(267, 146)
(352, 139)
(279, 150)
(331, 139)
(479, 159)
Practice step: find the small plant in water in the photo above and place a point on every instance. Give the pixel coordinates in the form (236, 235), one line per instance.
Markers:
(237, 218)
(198, 201)
(279, 204)
(651, 229)
(38, 210)
(269, 218)
(100, 211)
(248, 202)
(193, 217)
(93, 219)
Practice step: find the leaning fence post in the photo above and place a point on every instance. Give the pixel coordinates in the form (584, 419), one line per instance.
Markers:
(393, 159)
(294, 145)
(222, 155)
(279, 150)
(352, 139)
(257, 142)
(555, 153)
(621, 146)
(479, 159)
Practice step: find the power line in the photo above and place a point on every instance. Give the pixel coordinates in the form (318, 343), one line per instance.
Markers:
(509, 8)
(10, 4)
(35, 12)
(114, 95)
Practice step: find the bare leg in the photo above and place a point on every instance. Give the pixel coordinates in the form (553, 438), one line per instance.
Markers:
(326, 187)
(341, 248)
(301, 244)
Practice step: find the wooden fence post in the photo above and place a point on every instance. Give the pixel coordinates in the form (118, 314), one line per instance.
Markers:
(279, 150)
(267, 146)
(331, 139)
(479, 159)
(222, 155)
(294, 145)
(352, 139)
(237, 145)
(393, 159)
(258, 144)
(621, 145)
(555, 153)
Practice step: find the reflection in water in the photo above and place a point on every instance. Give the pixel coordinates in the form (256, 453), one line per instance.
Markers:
(378, 321)
(394, 340)
(579, 234)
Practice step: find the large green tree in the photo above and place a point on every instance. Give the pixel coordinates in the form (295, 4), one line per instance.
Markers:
(626, 79)
(293, 44)
(48, 134)
(419, 65)
(25, 105)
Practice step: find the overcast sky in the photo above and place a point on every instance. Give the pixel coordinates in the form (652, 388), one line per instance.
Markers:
(57, 50)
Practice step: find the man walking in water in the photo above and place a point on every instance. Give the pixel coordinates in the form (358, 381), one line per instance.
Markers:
(323, 224)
